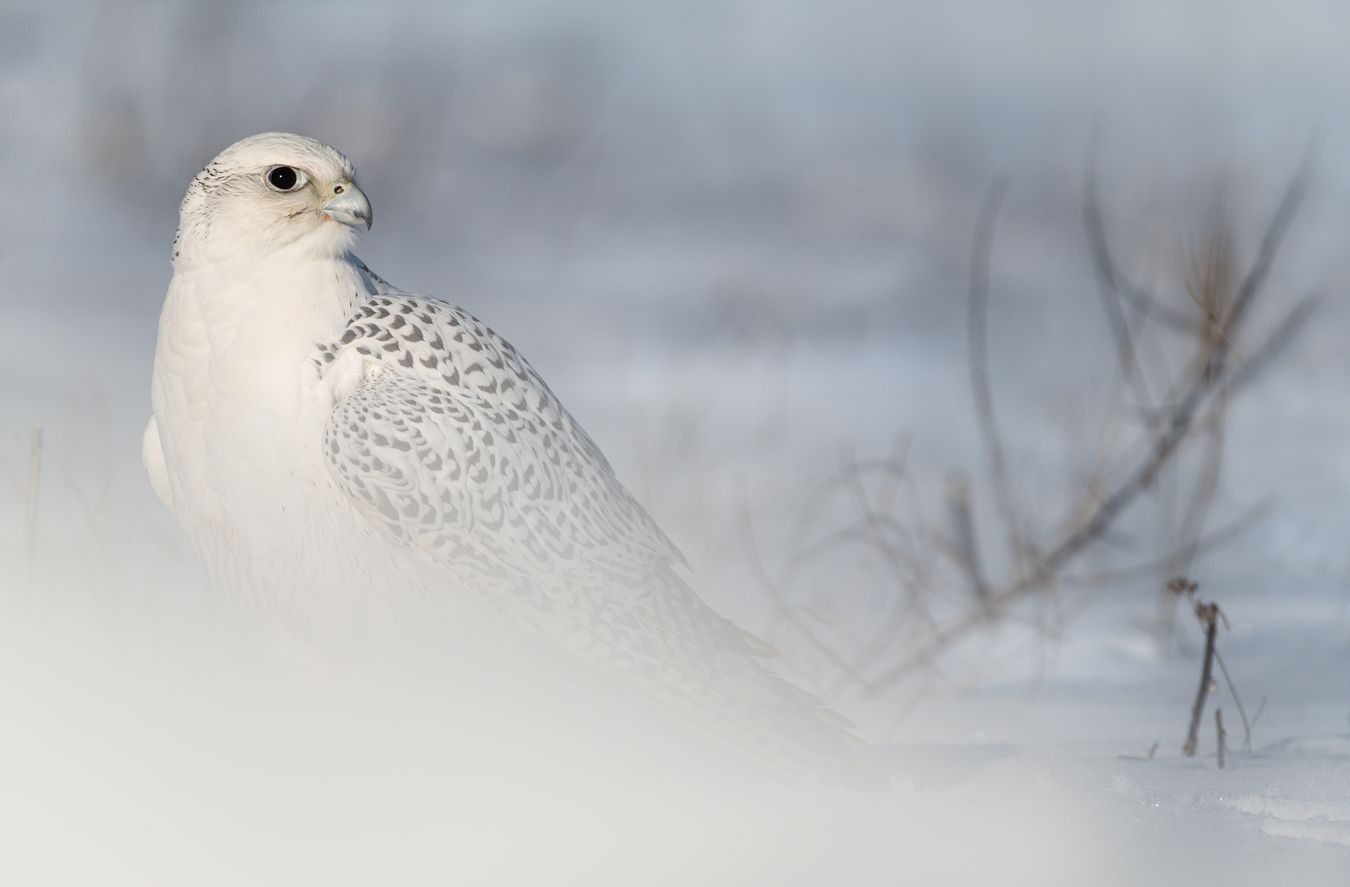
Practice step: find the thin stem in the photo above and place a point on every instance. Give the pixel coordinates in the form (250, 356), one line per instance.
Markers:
(31, 509)
(1208, 613)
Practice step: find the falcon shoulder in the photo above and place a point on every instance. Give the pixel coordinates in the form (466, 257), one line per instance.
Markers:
(452, 443)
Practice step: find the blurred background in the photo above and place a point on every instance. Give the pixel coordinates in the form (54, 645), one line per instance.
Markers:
(736, 238)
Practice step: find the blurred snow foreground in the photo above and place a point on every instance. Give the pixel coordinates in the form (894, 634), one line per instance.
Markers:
(331, 443)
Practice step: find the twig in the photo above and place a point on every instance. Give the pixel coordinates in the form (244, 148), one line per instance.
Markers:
(1260, 710)
(1186, 553)
(1208, 614)
(31, 511)
(1275, 343)
(1147, 756)
(891, 469)
(1108, 284)
(1270, 247)
(789, 613)
(963, 530)
(977, 331)
(1220, 734)
(1242, 712)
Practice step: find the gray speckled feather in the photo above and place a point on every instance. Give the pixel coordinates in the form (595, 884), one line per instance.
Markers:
(457, 447)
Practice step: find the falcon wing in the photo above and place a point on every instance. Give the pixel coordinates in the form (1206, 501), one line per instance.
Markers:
(459, 450)
(456, 447)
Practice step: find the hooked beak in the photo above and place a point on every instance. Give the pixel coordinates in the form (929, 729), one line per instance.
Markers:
(349, 206)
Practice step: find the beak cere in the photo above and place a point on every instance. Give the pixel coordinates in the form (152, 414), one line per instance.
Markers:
(349, 206)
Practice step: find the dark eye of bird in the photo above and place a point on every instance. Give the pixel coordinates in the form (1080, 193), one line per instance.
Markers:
(283, 178)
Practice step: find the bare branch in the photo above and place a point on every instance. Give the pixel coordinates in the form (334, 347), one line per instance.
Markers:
(1270, 244)
(1278, 339)
(1108, 284)
(977, 330)
(963, 530)
(789, 614)
(1187, 553)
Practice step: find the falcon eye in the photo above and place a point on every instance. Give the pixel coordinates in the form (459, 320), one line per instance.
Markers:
(284, 178)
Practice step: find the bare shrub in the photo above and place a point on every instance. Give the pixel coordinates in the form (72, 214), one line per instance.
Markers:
(1181, 355)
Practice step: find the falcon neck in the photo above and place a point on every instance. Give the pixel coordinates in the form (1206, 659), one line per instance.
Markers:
(302, 296)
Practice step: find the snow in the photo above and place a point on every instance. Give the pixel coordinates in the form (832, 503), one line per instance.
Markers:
(766, 212)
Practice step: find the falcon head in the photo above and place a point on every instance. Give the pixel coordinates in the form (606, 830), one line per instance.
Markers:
(268, 192)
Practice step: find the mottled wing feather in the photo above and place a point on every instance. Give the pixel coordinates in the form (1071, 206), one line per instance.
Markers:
(454, 445)
(459, 449)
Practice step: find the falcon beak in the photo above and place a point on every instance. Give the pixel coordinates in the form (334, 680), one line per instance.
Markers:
(349, 206)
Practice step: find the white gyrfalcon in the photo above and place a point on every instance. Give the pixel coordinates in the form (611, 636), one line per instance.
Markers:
(319, 433)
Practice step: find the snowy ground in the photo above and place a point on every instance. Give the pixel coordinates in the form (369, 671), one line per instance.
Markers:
(734, 238)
